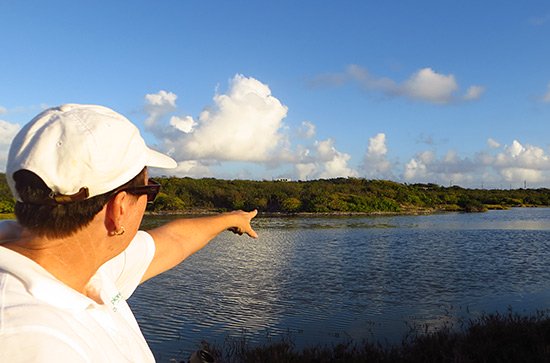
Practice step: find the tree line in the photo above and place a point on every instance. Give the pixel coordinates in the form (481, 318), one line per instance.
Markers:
(339, 195)
(345, 195)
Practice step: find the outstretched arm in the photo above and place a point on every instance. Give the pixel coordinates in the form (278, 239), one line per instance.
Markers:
(179, 239)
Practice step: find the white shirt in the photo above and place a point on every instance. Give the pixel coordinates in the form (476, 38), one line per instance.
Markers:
(43, 320)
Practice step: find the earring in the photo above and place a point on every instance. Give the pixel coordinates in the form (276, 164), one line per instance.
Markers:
(119, 232)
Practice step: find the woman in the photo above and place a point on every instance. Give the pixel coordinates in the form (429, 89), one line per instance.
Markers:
(79, 175)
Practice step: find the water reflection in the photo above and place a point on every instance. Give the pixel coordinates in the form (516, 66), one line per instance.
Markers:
(326, 279)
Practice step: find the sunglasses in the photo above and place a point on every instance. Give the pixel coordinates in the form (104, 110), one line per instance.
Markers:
(151, 189)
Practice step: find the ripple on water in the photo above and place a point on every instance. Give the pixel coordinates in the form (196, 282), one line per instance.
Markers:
(325, 279)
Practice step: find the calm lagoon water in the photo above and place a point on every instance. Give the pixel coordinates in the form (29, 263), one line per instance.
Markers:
(329, 279)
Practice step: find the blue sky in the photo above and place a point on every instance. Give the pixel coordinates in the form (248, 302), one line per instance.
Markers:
(448, 92)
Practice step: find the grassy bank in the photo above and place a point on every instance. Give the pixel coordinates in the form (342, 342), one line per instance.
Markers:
(508, 337)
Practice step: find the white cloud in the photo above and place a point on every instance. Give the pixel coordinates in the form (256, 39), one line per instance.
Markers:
(8, 131)
(3, 110)
(415, 170)
(523, 157)
(307, 129)
(337, 167)
(375, 163)
(493, 144)
(515, 164)
(334, 163)
(162, 99)
(193, 169)
(449, 169)
(521, 174)
(324, 162)
(306, 171)
(377, 145)
(515, 150)
(326, 149)
(474, 93)
(430, 86)
(157, 105)
(369, 82)
(244, 124)
(185, 124)
(424, 85)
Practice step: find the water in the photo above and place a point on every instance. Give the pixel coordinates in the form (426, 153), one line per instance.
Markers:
(326, 280)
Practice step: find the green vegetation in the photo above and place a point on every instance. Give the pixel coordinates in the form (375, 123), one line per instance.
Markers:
(340, 195)
(6, 200)
(495, 337)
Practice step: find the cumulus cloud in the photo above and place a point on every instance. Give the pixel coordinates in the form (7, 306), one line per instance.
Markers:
(193, 169)
(430, 86)
(8, 131)
(449, 169)
(377, 145)
(307, 130)
(424, 85)
(157, 105)
(493, 144)
(521, 174)
(244, 124)
(514, 164)
(324, 162)
(519, 163)
(375, 162)
(520, 156)
(184, 124)
(306, 171)
(416, 169)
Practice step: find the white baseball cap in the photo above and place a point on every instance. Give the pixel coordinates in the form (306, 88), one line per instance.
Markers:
(81, 147)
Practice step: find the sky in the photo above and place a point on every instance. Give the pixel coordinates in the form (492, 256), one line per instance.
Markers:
(444, 92)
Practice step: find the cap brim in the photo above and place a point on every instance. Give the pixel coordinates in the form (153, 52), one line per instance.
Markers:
(156, 159)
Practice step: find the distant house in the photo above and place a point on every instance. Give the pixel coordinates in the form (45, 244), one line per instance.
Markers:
(282, 179)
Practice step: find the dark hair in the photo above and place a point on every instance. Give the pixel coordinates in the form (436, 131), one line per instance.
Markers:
(57, 220)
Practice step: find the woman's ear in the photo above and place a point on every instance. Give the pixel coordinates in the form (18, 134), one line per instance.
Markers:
(116, 209)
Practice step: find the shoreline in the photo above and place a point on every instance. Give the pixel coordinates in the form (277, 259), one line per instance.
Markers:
(404, 212)
(299, 214)
(491, 337)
